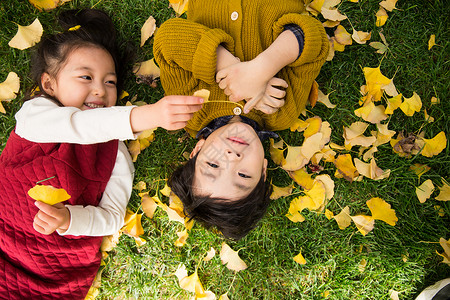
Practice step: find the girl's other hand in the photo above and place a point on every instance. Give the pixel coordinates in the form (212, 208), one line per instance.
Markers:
(171, 113)
(51, 217)
(271, 100)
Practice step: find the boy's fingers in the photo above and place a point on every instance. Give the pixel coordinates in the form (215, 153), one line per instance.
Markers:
(250, 104)
(220, 75)
(185, 100)
(275, 81)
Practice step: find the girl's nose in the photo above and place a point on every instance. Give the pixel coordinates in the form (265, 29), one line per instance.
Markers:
(233, 155)
(99, 90)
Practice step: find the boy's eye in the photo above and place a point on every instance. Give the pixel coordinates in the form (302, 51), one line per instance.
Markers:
(87, 77)
(244, 175)
(212, 165)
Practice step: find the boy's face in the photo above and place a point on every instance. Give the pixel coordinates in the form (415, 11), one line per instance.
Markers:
(230, 162)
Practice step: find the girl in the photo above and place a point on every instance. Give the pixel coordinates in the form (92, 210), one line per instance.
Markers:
(68, 138)
(246, 51)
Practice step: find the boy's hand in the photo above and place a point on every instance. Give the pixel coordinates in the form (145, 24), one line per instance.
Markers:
(243, 80)
(171, 113)
(272, 99)
(51, 217)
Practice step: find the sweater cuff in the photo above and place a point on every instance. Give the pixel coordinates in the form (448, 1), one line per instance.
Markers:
(314, 47)
(205, 56)
(82, 223)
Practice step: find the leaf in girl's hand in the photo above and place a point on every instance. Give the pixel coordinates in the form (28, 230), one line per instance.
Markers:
(231, 259)
(48, 194)
(147, 29)
(300, 259)
(381, 210)
(425, 190)
(27, 36)
(444, 194)
(203, 93)
(431, 41)
(133, 226)
(364, 223)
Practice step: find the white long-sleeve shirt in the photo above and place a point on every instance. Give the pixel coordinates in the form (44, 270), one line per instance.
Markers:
(41, 120)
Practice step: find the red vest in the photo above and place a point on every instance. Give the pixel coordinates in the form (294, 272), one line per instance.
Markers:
(37, 266)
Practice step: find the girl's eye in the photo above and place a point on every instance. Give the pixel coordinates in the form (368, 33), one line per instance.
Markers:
(244, 175)
(212, 165)
(86, 77)
(111, 82)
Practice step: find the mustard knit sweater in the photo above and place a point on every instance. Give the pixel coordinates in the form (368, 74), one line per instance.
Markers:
(185, 50)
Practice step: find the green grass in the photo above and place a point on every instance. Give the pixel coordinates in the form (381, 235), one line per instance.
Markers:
(332, 255)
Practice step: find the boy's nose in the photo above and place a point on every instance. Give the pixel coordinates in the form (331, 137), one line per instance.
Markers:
(233, 155)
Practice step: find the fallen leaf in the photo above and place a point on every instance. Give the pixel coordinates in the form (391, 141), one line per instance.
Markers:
(48, 194)
(393, 295)
(375, 82)
(362, 265)
(380, 47)
(428, 118)
(431, 41)
(231, 259)
(302, 178)
(133, 224)
(361, 37)
(444, 191)
(210, 254)
(279, 192)
(147, 72)
(296, 206)
(141, 185)
(179, 6)
(419, 169)
(332, 14)
(328, 184)
(345, 167)
(192, 284)
(147, 29)
(381, 210)
(328, 214)
(364, 223)
(47, 4)
(276, 153)
(389, 5)
(182, 237)
(166, 190)
(300, 259)
(9, 89)
(411, 105)
(27, 36)
(371, 170)
(425, 190)
(393, 103)
(435, 145)
(324, 99)
(315, 7)
(343, 219)
(342, 36)
(446, 246)
(371, 113)
(382, 17)
(148, 206)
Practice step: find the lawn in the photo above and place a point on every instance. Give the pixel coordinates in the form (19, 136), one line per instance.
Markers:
(340, 263)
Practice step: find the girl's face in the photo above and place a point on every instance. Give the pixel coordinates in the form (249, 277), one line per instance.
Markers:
(230, 162)
(87, 80)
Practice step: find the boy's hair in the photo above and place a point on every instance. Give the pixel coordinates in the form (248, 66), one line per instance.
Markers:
(81, 28)
(234, 218)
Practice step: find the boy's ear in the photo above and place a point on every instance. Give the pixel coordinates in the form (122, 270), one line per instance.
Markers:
(197, 148)
(264, 171)
(47, 83)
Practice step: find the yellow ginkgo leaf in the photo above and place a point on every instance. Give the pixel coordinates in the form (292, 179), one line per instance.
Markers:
(345, 167)
(375, 83)
(425, 190)
(419, 169)
(444, 194)
(148, 29)
(315, 7)
(446, 246)
(203, 93)
(141, 185)
(294, 159)
(179, 6)
(192, 284)
(302, 178)
(435, 145)
(224, 297)
(361, 37)
(364, 223)
(328, 184)
(279, 192)
(182, 237)
(431, 41)
(46, 4)
(276, 154)
(411, 105)
(371, 170)
(148, 206)
(328, 214)
(10, 87)
(314, 125)
(382, 17)
(389, 5)
(332, 14)
(336, 45)
(342, 36)
(324, 99)
(166, 190)
(318, 195)
(371, 113)
(27, 36)
(393, 103)
(48, 194)
(299, 125)
(147, 69)
(210, 254)
(300, 259)
(383, 134)
(343, 219)
(381, 210)
(231, 259)
(133, 224)
(296, 206)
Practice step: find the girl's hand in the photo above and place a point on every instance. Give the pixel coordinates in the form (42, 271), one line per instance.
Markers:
(171, 113)
(272, 99)
(51, 217)
(243, 80)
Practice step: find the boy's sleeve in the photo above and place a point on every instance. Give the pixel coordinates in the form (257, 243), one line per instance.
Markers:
(186, 53)
(108, 217)
(315, 46)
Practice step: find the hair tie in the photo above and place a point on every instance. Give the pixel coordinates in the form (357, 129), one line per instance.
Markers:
(76, 27)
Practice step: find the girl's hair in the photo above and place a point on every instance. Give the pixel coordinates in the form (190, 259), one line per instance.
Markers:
(80, 28)
(233, 218)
